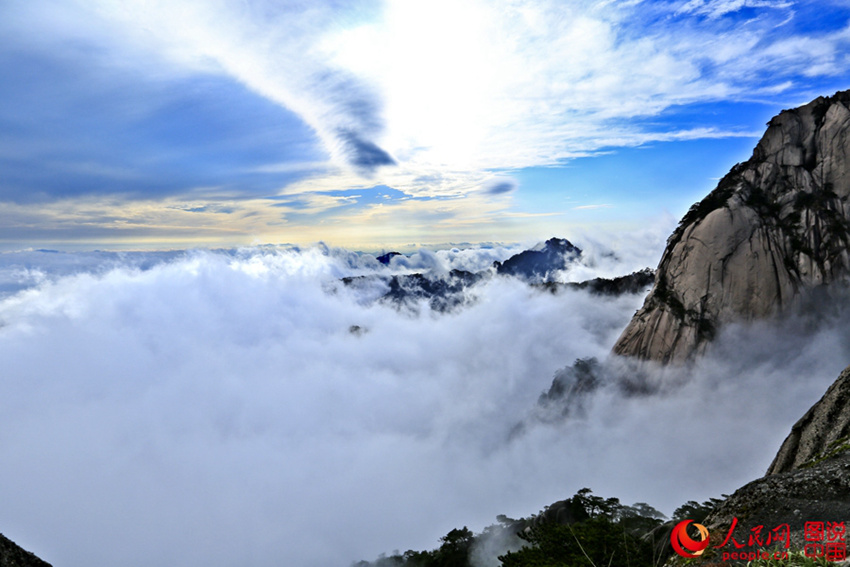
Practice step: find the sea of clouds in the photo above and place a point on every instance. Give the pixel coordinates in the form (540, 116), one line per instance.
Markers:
(244, 407)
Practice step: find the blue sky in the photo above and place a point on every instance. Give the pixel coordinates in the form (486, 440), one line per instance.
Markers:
(181, 123)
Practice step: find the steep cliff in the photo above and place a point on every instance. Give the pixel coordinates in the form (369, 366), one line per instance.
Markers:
(776, 226)
(823, 432)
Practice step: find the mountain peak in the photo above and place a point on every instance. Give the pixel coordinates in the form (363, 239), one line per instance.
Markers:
(539, 262)
(776, 226)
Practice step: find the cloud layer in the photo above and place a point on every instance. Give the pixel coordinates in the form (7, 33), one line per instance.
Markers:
(216, 408)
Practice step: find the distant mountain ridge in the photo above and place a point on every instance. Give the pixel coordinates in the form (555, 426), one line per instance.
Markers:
(536, 266)
(776, 227)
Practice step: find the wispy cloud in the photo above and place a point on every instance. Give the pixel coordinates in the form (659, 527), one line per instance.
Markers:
(530, 83)
(508, 84)
(717, 8)
(272, 49)
(165, 98)
(591, 207)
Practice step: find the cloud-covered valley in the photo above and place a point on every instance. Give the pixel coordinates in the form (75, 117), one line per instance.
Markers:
(247, 407)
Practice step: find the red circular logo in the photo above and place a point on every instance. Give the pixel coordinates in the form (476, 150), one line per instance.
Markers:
(684, 544)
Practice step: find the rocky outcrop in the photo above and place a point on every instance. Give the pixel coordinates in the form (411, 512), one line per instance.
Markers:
(823, 432)
(809, 479)
(819, 493)
(385, 258)
(449, 291)
(776, 226)
(13, 556)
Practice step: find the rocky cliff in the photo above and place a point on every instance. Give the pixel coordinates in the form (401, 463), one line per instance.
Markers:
(13, 556)
(819, 493)
(776, 226)
(823, 432)
(809, 479)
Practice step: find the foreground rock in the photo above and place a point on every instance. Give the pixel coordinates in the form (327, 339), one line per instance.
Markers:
(775, 227)
(823, 431)
(817, 493)
(809, 480)
(13, 556)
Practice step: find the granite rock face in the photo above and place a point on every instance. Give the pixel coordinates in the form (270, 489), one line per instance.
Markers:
(13, 556)
(775, 227)
(824, 430)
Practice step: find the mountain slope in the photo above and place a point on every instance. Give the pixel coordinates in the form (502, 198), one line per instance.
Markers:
(13, 556)
(823, 431)
(775, 227)
(809, 479)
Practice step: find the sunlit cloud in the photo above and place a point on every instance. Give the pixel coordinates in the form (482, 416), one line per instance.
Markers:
(256, 100)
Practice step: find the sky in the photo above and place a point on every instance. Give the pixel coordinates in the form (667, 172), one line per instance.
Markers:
(167, 124)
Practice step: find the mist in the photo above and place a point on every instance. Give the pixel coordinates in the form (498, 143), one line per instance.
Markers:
(246, 407)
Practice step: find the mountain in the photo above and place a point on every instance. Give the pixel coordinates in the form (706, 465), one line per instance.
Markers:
(775, 228)
(385, 258)
(809, 479)
(449, 291)
(635, 282)
(823, 431)
(540, 262)
(13, 556)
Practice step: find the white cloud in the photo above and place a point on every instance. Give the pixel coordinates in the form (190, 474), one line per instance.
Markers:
(718, 8)
(215, 409)
(268, 47)
(460, 88)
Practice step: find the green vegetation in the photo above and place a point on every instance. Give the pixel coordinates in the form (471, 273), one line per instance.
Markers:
(833, 449)
(582, 531)
(593, 542)
(454, 552)
(664, 295)
(692, 510)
